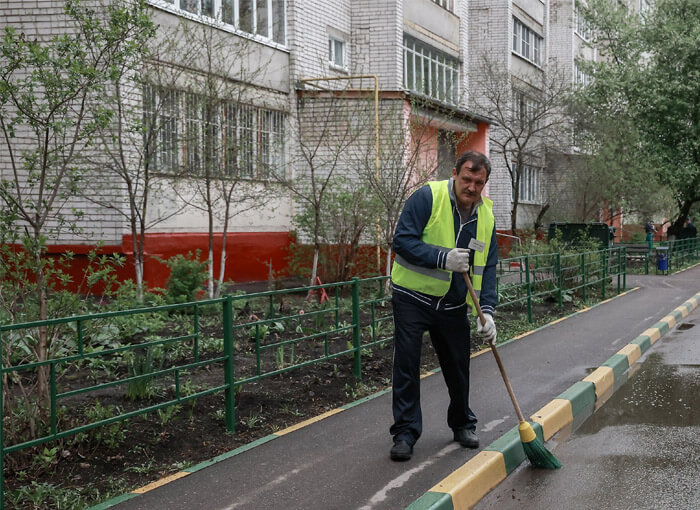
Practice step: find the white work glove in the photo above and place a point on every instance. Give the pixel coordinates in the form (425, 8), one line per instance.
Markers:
(457, 260)
(487, 330)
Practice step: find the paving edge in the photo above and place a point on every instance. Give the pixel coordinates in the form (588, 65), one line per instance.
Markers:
(466, 486)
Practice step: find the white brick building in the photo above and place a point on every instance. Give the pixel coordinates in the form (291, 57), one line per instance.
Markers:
(424, 49)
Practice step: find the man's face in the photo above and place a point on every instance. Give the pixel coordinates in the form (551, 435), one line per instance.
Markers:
(468, 184)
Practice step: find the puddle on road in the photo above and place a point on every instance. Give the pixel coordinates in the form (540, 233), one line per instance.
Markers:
(657, 395)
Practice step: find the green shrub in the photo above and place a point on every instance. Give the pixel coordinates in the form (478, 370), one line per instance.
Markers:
(187, 275)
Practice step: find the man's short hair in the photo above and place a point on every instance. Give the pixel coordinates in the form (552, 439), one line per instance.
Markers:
(477, 159)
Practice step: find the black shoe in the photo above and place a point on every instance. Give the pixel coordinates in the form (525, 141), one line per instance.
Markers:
(401, 450)
(467, 438)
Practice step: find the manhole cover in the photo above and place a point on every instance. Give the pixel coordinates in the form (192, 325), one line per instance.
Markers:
(685, 325)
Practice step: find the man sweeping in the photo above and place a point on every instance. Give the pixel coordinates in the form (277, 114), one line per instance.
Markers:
(445, 228)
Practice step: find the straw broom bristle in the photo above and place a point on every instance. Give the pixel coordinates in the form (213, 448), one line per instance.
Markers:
(536, 453)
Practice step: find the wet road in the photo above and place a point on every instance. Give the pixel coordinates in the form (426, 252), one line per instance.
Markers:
(639, 450)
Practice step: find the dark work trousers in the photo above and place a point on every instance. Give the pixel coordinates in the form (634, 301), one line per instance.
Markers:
(449, 333)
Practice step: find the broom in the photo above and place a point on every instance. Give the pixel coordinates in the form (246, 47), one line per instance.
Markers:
(536, 453)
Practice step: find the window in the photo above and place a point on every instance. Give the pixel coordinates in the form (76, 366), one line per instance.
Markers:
(582, 77)
(447, 4)
(581, 25)
(429, 71)
(525, 109)
(526, 42)
(336, 52)
(191, 131)
(264, 18)
(529, 183)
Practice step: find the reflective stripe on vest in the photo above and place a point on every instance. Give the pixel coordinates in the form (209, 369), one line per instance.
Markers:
(484, 228)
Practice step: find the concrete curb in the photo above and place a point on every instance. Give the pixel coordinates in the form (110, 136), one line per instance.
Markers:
(465, 487)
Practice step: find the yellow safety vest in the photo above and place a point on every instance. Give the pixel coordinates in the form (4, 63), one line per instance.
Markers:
(440, 232)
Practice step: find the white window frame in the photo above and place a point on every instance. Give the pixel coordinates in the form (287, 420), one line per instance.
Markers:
(429, 71)
(446, 4)
(526, 42)
(581, 27)
(530, 179)
(524, 108)
(333, 42)
(182, 128)
(222, 9)
(580, 77)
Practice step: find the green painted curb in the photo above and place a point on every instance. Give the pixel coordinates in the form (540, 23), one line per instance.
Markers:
(619, 363)
(432, 501)
(365, 399)
(662, 327)
(582, 397)
(643, 341)
(511, 447)
(677, 315)
(114, 501)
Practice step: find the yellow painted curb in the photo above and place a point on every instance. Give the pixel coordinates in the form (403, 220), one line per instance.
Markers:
(653, 333)
(160, 482)
(683, 310)
(554, 416)
(603, 378)
(632, 351)
(670, 320)
(307, 422)
(471, 482)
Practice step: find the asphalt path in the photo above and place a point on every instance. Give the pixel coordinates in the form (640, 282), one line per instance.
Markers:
(640, 450)
(342, 462)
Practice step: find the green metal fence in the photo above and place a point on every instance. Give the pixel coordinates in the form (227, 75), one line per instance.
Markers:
(244, 338)
(680, 253)
(527, 278)
(239, 334)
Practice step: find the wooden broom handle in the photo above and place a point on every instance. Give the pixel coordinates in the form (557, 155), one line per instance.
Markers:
(475, 300)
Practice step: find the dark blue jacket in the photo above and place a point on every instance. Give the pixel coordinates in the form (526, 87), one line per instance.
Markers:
(408, 244)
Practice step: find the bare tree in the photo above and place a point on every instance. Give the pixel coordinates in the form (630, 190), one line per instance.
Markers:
(136, 147)
(231, 143)
(406, 160)
(332, 126)
(528, 115)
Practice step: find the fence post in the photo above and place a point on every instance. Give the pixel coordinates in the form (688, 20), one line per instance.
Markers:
(619, 268)
(583, 275)
(357, 359)
(529, 290)
(604, 261)
(561, 281)
(646, 263)
(229, 379)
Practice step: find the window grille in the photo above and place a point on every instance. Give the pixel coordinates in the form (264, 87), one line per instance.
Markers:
(430, 72)
(231, 139)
